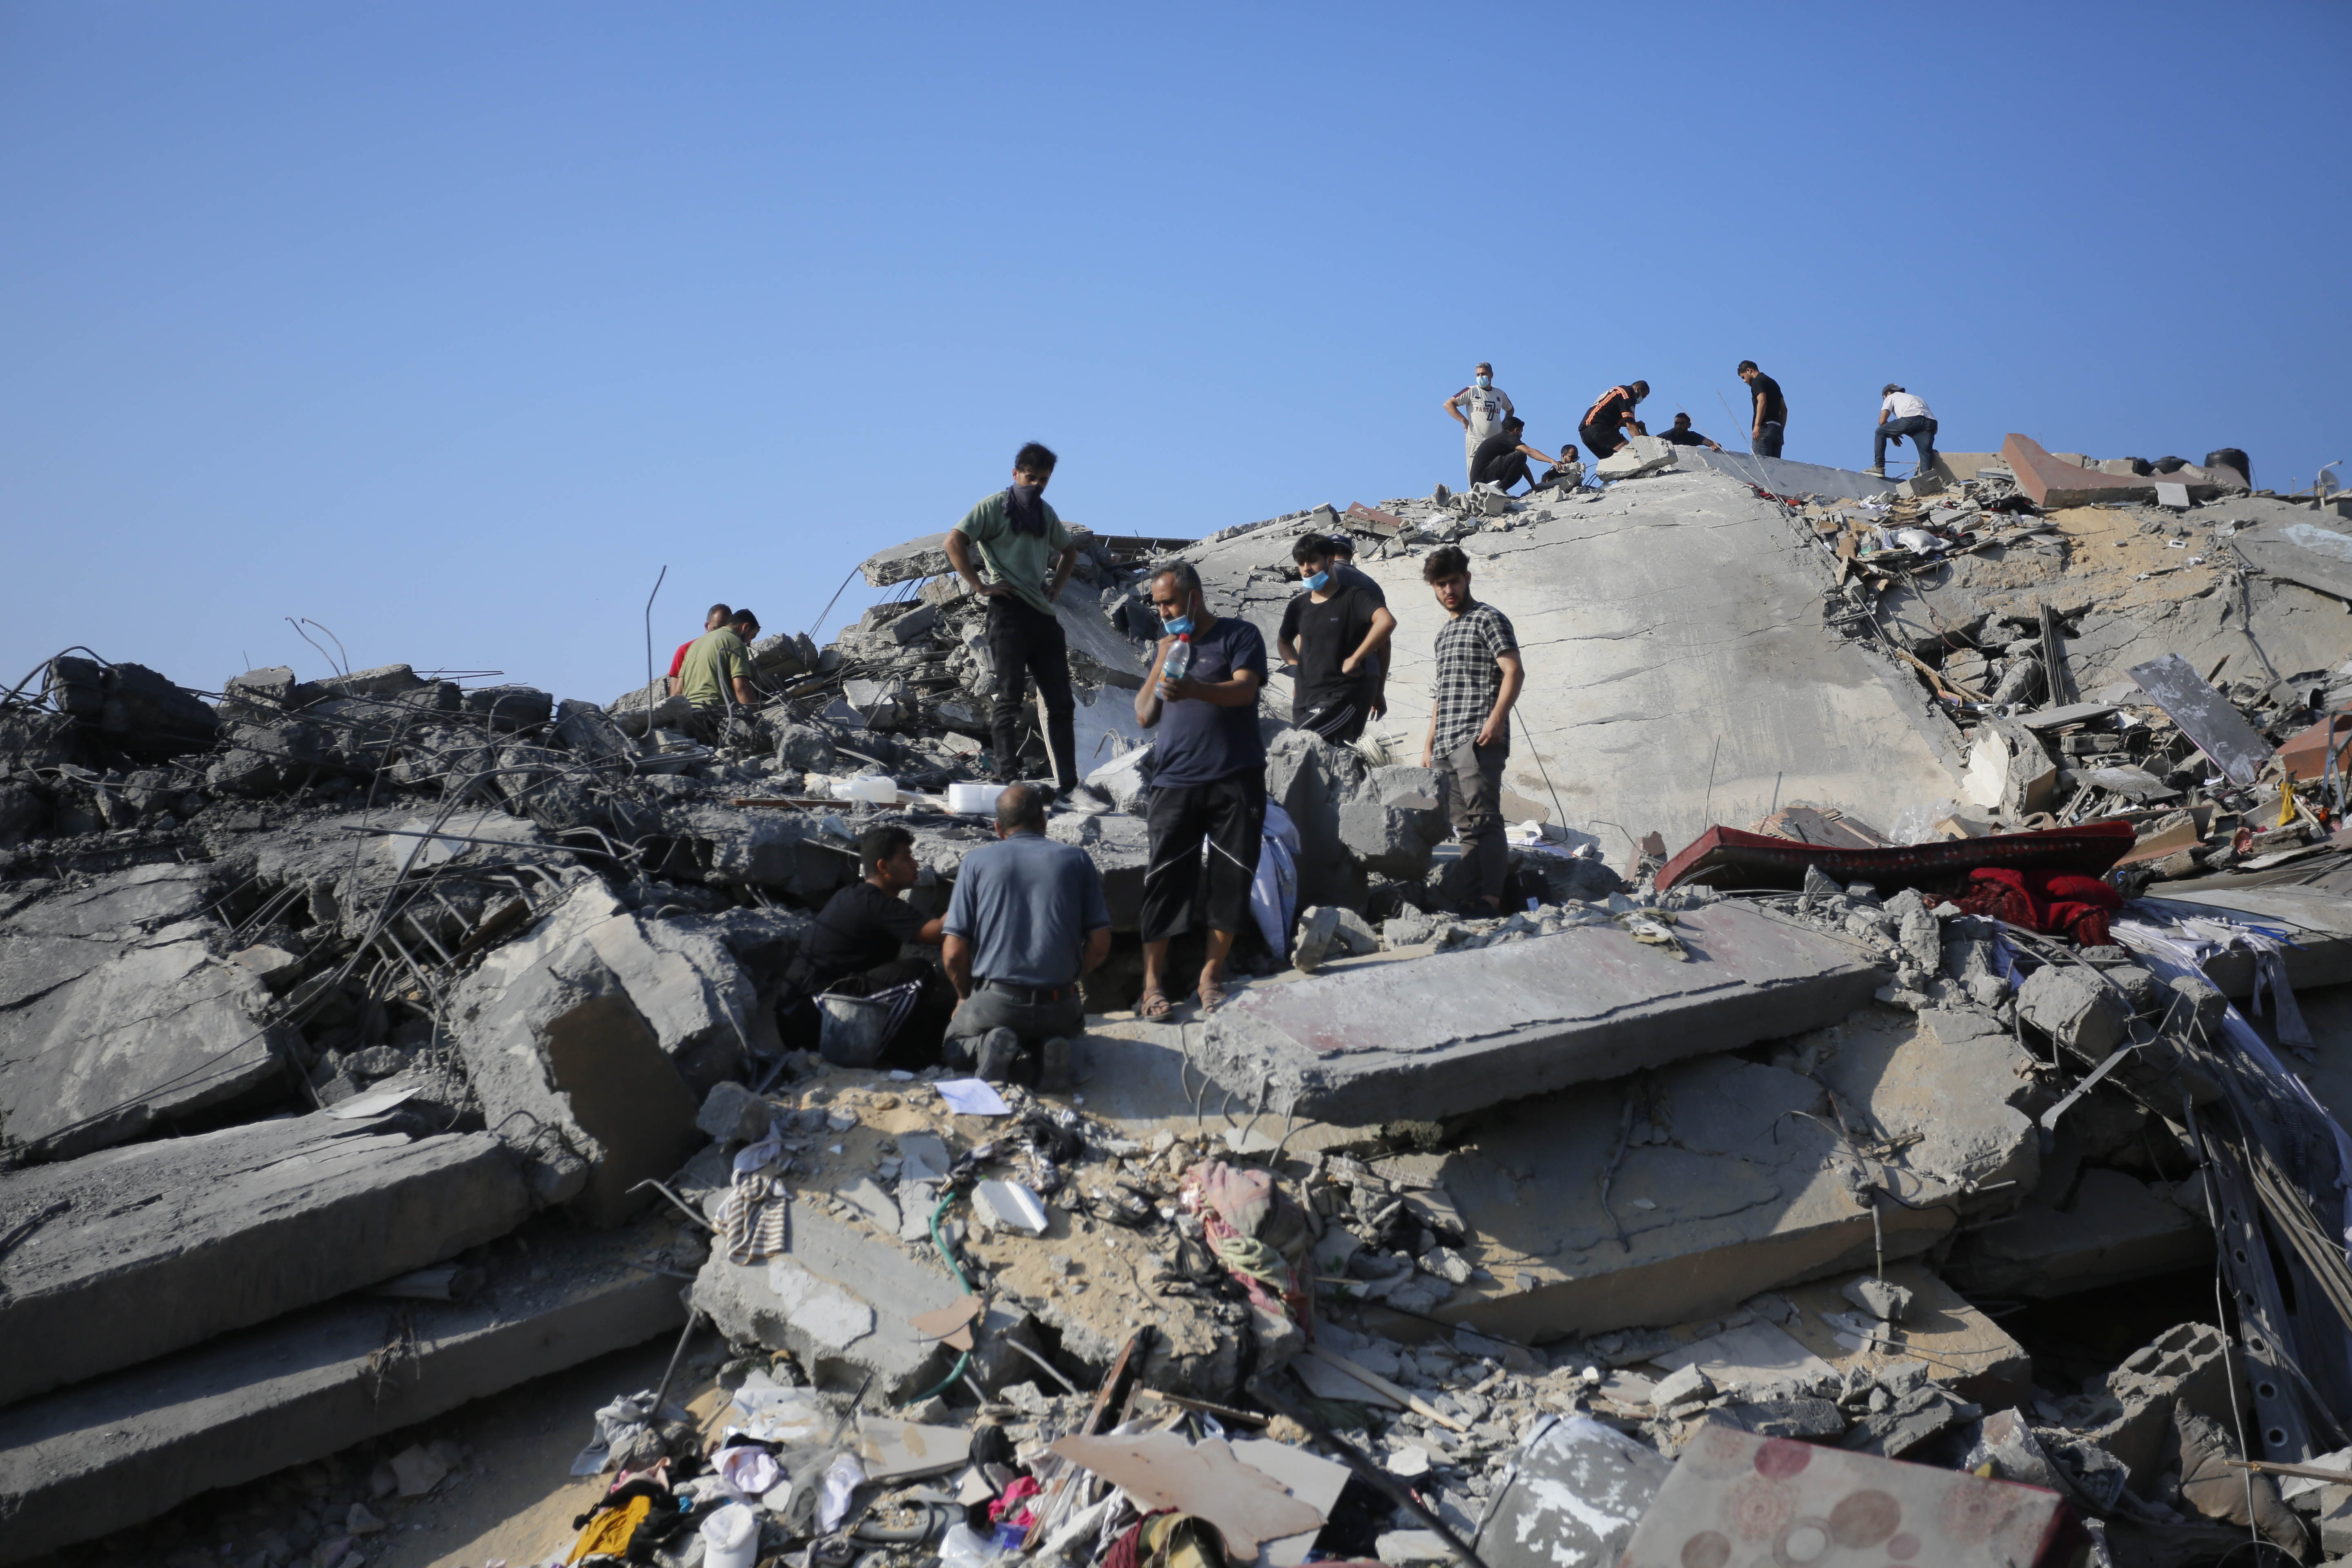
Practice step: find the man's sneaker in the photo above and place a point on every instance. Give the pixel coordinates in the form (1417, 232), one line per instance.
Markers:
(1876, 473)
(999, 1054)
(1053, 1067)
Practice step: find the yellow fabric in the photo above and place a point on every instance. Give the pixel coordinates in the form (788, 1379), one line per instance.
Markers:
(610, 1530)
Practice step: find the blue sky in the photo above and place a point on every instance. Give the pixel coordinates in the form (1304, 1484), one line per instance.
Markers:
(448, 326)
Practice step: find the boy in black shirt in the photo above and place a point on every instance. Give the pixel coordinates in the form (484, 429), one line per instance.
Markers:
(1334, 634)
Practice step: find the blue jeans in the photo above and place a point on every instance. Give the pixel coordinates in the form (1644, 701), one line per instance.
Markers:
(1922, 431)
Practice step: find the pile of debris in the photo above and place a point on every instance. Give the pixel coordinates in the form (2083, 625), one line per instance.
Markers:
(372, 1043)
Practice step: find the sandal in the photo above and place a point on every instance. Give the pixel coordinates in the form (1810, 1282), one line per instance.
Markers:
(1212, 993)
(1153, 1004)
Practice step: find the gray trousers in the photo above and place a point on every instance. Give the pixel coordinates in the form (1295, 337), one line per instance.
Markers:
(1472, 776)
(986, 1009)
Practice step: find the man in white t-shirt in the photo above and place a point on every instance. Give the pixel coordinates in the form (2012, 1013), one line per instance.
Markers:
(1901, 415)
(1481, 408)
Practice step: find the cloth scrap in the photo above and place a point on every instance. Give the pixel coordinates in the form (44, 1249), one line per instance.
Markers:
(2055, 903)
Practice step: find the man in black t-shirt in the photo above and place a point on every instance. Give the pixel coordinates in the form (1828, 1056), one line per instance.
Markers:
(1770, 419)
(1333, 634)
(1680, 434)
(853, 949)
(1502, 457)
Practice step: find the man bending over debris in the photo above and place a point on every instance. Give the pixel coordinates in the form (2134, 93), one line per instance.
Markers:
(1611, 412)
(1209, 782)
(1478, 678)
(1027, 918)
(716, 678)
(851, 949)
(1901, 415)
(1335, 634)
(1769, 419)
(1030, 557)
(1680, 434)
(710, 623)
(1502, 457)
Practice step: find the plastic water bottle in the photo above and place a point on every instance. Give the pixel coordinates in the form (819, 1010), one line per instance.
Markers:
(1179, 661)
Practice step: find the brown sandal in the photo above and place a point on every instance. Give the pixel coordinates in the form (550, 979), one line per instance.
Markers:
(1153, 1004)
(1212, 993)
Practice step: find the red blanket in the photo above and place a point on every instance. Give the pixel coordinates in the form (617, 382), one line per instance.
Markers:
(2056, 903)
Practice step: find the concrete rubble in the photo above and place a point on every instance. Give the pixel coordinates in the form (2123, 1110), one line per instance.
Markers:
(1804, 1139)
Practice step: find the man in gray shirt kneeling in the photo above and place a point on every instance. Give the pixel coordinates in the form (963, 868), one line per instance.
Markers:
(1026, 919)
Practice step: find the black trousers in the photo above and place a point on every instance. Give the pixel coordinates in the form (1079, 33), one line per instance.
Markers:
(1341, 721)
(1600, 443)
(1025, 643)
(1511, 469)
(1231, 813)
(1767, 445)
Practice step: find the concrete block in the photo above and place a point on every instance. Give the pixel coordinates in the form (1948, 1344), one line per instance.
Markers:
(838, 1297)
(1641, 455)
(1394, 820)
(86, 1461)
(162, 1245)
(733, 1114)
(384, 681)
(591, 734)
(2075, 1009)
(1886, 1301)
(1313, 780)
(1589, 1003)
(510, 708)
(114, 1013)
(924, 557)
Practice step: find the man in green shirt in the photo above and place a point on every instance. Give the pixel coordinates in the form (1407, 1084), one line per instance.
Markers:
(716, 674)
(1030, 556)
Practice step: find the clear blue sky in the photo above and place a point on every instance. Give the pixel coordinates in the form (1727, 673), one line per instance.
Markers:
(450, 325)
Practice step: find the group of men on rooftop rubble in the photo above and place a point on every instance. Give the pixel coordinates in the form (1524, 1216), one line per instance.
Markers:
(713, 671)
(1028, 918)
(1494, 436)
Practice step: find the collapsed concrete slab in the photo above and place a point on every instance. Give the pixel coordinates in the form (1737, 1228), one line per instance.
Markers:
(2113, 1228)
(1727, 1177)
(138, 1251)
(114, 1013)
(1784, 477)
(590, 1039)
(2051, 481)
(90, 1459)
(1458, 1031)
(2319, 924)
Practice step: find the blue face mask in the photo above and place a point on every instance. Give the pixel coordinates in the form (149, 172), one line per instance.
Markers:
(1316, 584)
(1177, 628)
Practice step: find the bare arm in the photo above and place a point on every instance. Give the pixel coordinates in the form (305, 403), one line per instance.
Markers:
(673, 681)
(1453, 406)
(1288, 649)
(1756, 421)
(932, 931)
(1069, 563)
(960, 557)
(955, 957)
(1374, 640)
(1097, 949)
(1429, 736)
(1147, 701)
(744, 696)
(1515, 676)
(1538, 457)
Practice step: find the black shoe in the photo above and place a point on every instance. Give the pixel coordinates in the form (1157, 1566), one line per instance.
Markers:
(1053, 1067)
(999, 1054)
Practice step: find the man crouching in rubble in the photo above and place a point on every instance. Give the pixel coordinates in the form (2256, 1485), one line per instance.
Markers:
(1208, 781)
(715, 677)
(1478, 678)
(853, 949)
(1027, 918)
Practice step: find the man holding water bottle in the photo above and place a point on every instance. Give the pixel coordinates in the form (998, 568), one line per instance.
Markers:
(1208, 780)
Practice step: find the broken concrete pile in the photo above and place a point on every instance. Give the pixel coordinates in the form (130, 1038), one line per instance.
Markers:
(311, 988)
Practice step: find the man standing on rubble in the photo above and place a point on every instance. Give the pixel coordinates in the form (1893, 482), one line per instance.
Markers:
(1502, 458)
(1333, 635)
(715, 679)
(1030, 557)
(1478, 678)
(1343, 568)
(1680, 434)
(853, 949)
(1481, 407)
(1901, 415)
(1611, 412)
(1769, 420)
(1026, 919)
(710, 623)
(1208, 781)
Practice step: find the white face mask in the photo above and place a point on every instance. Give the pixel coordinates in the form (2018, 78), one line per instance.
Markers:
(1485, 378)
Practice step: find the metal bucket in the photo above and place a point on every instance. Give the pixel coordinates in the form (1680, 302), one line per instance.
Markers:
(852, 1030)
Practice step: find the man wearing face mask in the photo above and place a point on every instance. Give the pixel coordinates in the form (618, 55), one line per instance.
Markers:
(1481, 407)
(1333, 634)
(1030, 556)
(1209, 782)
(1610, 413)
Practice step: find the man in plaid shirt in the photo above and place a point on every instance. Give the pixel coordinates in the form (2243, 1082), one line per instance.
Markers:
(1478, 678)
